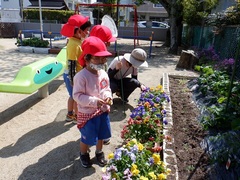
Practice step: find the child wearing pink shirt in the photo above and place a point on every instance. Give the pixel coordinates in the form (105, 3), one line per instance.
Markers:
(93, 95)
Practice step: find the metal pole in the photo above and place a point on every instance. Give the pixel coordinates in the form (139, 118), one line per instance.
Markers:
(117, 13)
(40, 16)
(122, 91)
(21, 9)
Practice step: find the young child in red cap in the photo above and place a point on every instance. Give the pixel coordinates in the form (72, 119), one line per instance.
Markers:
(76, 29)
(93, 95)
(105, 34)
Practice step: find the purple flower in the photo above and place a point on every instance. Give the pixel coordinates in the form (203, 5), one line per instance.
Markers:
(132, 156)
(151, 160)
(134, 149)
(106, 176)
(165, 121)
(127, 174)
(164, 111)
(159, 116)
(112, 168)
(158, 99)
(118, 154)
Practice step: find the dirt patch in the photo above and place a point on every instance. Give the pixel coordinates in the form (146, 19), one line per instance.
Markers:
(192, 161)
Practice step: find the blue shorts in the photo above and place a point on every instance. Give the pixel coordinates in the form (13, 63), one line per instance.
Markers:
(68, 84)
(95, 129)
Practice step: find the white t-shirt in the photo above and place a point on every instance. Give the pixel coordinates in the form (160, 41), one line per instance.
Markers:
(125, 71)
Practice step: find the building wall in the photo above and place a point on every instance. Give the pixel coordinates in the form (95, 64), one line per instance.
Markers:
(13, 4)
(10, 11)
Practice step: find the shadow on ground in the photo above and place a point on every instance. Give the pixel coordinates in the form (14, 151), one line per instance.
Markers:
(23, 105)
(62, 163)
(37, 137)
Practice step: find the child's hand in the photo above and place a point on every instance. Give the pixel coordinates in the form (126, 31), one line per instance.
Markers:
(119, 65)
(105, 108)
(109, 101)
(100, 102)
(143, 88)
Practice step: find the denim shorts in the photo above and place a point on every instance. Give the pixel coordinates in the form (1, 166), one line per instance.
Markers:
(97, 128)
(68, 84)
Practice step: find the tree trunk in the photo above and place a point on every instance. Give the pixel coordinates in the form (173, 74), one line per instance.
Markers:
(187, 60)
(167, 40)
(173, 29)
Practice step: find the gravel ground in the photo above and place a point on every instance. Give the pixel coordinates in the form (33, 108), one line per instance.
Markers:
(35, 141)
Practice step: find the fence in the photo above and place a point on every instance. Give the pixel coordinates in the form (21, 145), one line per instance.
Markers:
(7, 30)
(226, 42)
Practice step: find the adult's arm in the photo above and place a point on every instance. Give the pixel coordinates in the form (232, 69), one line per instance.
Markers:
(112, 72)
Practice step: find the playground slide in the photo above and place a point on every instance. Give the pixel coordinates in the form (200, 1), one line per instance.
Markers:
(34, 76)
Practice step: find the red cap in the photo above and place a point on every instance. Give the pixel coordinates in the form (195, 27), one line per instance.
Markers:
(94, 46)
(102, 32)
(75, 21)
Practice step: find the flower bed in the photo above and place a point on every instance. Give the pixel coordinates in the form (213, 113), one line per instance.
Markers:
(140, 157)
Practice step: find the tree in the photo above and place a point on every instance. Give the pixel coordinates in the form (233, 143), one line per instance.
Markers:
(177, 12)
(174, 9)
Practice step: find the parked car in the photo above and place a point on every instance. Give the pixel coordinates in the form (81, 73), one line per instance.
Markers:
(155, 24)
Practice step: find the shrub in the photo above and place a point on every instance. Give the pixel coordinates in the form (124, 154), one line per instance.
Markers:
(33, 42)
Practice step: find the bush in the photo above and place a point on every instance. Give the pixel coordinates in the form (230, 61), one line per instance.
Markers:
(34, 42)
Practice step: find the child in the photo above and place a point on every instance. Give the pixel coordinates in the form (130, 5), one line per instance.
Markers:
(105, 34)
(93, 95)
(77, 28)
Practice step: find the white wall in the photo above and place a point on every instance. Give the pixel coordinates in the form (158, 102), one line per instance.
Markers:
(10, 15)
(13, 4)
(10, 11)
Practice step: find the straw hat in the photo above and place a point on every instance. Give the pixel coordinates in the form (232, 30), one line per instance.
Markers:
(137, 58)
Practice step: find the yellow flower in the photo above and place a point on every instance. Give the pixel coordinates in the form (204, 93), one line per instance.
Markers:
(110, 156)
(134, 166)
(143, 178)
(163, 164)
(152, 175)
(134, 170)
(156, 158)
(159, 87)
(162, 176)
(131, 143)
(146, 120)
(168, 171)
(140, 147)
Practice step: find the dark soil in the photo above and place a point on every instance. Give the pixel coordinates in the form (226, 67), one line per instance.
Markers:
(192, 161)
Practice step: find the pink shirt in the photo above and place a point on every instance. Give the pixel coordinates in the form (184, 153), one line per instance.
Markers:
(89, 88)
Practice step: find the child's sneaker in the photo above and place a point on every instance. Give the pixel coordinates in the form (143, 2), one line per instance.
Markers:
(101, 159)
(75, 119)
(70, 118)
(85, 160)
